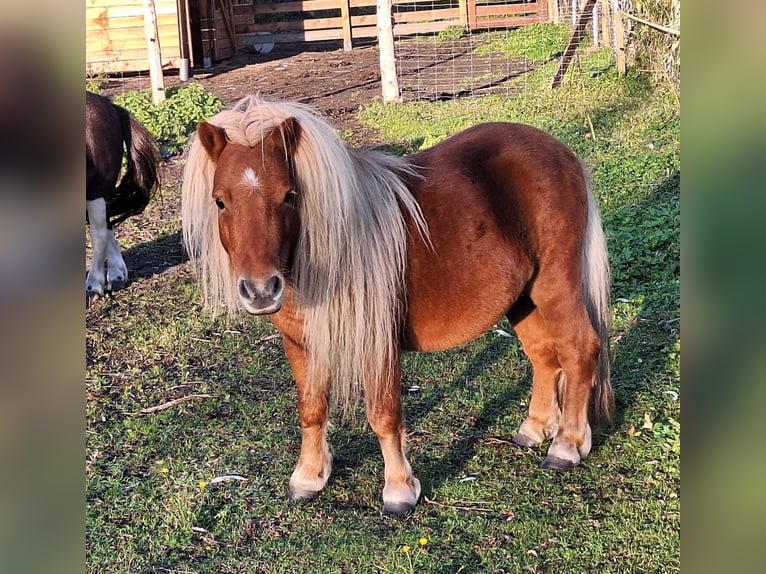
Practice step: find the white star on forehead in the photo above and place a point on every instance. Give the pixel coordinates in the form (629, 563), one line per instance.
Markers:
(250, 179)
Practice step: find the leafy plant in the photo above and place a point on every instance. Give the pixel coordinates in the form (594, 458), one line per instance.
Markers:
(95, 82)
(451, 33)
(176, 118)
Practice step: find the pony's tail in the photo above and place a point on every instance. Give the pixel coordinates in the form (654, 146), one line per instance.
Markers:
(140, 180)
(596, 280)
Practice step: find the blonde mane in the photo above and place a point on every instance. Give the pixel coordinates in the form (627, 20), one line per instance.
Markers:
(348, 271)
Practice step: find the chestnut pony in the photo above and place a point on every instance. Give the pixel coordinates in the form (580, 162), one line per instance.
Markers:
(357, 256)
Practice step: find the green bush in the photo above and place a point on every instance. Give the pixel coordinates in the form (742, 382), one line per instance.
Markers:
(173, 121)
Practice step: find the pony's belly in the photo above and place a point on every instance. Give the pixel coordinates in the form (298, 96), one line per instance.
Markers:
(461, 306)
(429, 336)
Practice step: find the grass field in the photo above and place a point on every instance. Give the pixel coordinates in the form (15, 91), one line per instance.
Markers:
(156, 499)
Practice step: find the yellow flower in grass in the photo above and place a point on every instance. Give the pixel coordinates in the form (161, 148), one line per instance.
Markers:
(164, 470)
(423, 541)
(405, 549)
(202, 484)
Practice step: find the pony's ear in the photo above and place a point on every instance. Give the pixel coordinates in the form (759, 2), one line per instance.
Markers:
(287, 135)
(213, 139)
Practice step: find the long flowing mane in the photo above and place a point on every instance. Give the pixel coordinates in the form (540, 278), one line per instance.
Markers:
(348, 270)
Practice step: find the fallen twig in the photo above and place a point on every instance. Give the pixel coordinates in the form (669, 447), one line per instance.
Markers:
(174, 402)
(226, 478)
(460, 507)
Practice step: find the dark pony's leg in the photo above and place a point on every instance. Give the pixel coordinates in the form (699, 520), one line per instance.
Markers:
(315, 462)
(542, 422)
(384, 413)
(100, 238)
(561, 322)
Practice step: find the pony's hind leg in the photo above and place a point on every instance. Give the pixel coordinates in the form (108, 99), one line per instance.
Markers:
(116, 270)
(315, 463)
(577, 348)
(99, 238)
(384, 413)
(542, 421)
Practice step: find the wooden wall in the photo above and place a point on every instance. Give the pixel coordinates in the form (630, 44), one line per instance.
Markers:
(115, 39)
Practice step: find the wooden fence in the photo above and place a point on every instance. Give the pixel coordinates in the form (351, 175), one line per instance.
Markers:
(216, 29)
(349, 20)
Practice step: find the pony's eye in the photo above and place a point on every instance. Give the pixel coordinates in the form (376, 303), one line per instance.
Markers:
(291, 198)
(219, 203)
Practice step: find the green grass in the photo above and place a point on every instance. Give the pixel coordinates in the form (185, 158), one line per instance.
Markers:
(537, 42)
(486, 506)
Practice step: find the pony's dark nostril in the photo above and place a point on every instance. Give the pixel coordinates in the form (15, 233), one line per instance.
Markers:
(246, 290)
(271, 289)
(274, 285)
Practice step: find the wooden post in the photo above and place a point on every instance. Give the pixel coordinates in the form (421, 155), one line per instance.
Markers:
(619, 39)
(463, 7)
(183, 40)
(606, 29)
(595, 26)
(154, 53)
(574, 41)
(388, 79)
(553, 11)
(345, 16)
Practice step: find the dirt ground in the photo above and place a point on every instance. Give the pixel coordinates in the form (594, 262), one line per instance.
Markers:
(334, 81)
(338, 82)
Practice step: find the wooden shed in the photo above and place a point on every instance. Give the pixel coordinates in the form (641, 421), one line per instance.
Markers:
(114, 35)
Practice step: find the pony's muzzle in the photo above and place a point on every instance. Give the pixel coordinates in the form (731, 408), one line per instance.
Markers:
(262, 296)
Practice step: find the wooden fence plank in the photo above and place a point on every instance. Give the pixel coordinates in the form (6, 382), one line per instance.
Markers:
(577, 35)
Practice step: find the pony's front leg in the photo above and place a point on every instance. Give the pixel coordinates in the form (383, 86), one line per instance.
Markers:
(315, 462)
(99, 239)
(384, 412)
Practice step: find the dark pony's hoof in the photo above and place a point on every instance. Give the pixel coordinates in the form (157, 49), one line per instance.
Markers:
(117, 285)
(523, 440)
(556, 463)
(299, 494)
(398, 510)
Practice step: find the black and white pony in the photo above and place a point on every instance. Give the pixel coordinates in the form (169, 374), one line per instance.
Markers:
(109, 131)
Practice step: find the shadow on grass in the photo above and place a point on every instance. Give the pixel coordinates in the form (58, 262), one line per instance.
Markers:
(154, 257)
(149, 259)
(499, 400)
(645, 256)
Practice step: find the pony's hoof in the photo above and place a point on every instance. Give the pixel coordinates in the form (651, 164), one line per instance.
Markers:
(398, 509)
(116, 285)
(556, 463)
(301, 494)
(521, 439)
(94, 291)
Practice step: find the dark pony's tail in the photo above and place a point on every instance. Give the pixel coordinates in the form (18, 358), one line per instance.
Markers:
(140, 180)
(596, 281)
